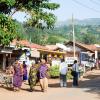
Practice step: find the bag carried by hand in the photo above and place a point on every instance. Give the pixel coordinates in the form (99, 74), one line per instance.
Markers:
(73, 73)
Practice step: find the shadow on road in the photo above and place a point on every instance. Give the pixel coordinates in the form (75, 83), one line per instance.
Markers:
(7, 88)
(28, 90)
(91, 76)
(57, 85)
(90, 84)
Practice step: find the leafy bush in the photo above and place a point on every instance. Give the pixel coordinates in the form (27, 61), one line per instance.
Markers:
(69, 76)
(54, 71)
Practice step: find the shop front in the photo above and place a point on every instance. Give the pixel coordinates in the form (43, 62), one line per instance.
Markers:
(5, 55)
(52, 57)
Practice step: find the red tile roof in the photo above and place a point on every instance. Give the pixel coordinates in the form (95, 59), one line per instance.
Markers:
(13, 42)
(85, 46)
(52, 47)
(26, 43)
(33, 45)
(92, 47)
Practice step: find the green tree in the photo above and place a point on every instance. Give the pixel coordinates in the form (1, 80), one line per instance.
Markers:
(8, 29)
(36, 9)
(53, 39)
(89, 39)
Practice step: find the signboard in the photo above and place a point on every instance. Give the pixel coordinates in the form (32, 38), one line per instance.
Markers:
(70, 60)
(35, 53)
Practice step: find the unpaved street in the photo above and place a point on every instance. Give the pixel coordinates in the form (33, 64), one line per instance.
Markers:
(89, 89)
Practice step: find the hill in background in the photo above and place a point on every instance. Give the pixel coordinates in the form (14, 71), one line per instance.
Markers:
(86, 31)
(88, 21)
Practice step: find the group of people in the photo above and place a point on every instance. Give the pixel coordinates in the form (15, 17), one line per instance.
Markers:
(37, 73)
(63, 69)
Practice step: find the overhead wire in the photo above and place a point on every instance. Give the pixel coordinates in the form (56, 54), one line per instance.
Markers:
(95, 2)
(85, 6)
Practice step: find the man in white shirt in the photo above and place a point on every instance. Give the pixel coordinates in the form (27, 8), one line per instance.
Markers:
(63, 72)
(75, 66)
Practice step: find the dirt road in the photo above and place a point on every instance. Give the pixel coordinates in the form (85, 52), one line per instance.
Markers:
(89, 89)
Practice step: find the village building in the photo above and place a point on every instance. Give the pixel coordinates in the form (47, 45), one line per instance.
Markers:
(54, 54)
(5, 55)
(23, 50)
(83, 53)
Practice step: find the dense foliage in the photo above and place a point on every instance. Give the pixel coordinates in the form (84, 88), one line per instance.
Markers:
(35, 28)
(36, 9)
(54, 72)
(43, 36)
(87, 34)
(8, 29)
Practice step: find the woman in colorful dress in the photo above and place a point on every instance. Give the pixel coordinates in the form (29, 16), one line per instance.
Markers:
(43, 71)
(33, 76)
(17, 78)
(24, 71)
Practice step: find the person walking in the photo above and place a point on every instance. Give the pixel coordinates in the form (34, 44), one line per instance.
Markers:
(43, 71)
(25, 74)
(17, 78)
(63, 72)
(33, 78)
(75, 69)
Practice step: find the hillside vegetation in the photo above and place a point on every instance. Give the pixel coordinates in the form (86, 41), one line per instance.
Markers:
(88, 33)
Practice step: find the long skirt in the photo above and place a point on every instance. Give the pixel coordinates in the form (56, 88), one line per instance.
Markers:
(17, 81)
(32, 81)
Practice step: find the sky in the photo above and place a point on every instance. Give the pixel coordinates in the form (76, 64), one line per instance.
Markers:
(81, 9)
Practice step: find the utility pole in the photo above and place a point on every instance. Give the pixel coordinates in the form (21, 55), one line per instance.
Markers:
(74, 50)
